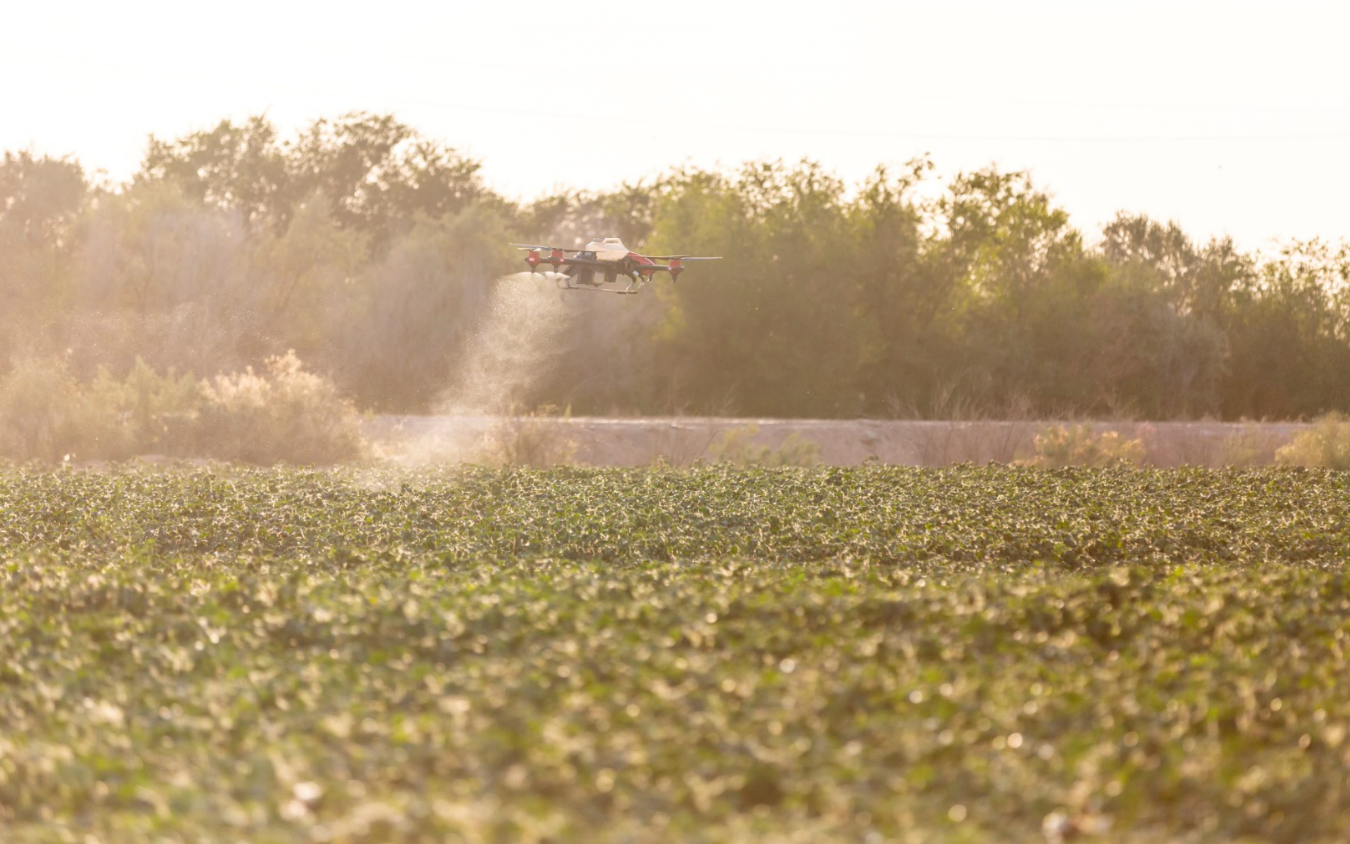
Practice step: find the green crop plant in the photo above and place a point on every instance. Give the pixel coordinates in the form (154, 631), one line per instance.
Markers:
(713, 655)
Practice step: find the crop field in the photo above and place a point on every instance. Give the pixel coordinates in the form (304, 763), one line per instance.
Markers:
(713, 655)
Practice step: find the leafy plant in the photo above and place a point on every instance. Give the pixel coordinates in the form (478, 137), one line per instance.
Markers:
(737, 448)
(280, 414)
(155, 413)
(1325, 445)
(974, 653)
(1079, 445)
(45, 414)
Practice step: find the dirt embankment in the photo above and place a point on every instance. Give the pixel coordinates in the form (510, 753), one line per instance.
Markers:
(610, 441)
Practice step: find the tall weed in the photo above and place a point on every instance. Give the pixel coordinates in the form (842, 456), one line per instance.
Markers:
(738, 448)
(1079, 445)
(535, 438)
(1325, 445)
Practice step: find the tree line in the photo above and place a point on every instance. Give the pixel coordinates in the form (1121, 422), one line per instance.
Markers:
(371, 250)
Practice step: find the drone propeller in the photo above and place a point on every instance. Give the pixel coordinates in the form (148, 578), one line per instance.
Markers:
(527, 247)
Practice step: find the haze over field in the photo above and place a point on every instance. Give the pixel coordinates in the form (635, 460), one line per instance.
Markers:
(1230, 118)
(925, 211)
(500, 365)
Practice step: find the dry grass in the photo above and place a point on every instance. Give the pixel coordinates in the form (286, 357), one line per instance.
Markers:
(678, 444)
(534, 438)
(1079, 445)
(937, 443)
(1252, 446)
(1325, 445)
(738, 448)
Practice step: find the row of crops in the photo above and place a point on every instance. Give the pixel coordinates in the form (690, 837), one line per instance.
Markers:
(872, 654)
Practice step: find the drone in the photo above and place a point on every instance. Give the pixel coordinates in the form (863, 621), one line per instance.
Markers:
(598, 265)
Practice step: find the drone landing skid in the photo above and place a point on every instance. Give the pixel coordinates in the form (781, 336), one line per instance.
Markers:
(603, 290)
(564, 285)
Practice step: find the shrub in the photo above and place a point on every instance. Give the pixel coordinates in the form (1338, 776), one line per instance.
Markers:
(736, 447)
(1326, 445)
(44, 415)
(535, 438)
(282, 414)
(151, 413)
(1079, 445)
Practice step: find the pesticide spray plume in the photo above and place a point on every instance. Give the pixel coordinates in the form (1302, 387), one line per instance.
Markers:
(500, 365)
(498, 368)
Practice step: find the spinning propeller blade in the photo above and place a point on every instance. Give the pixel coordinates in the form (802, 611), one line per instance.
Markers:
(529, 246)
